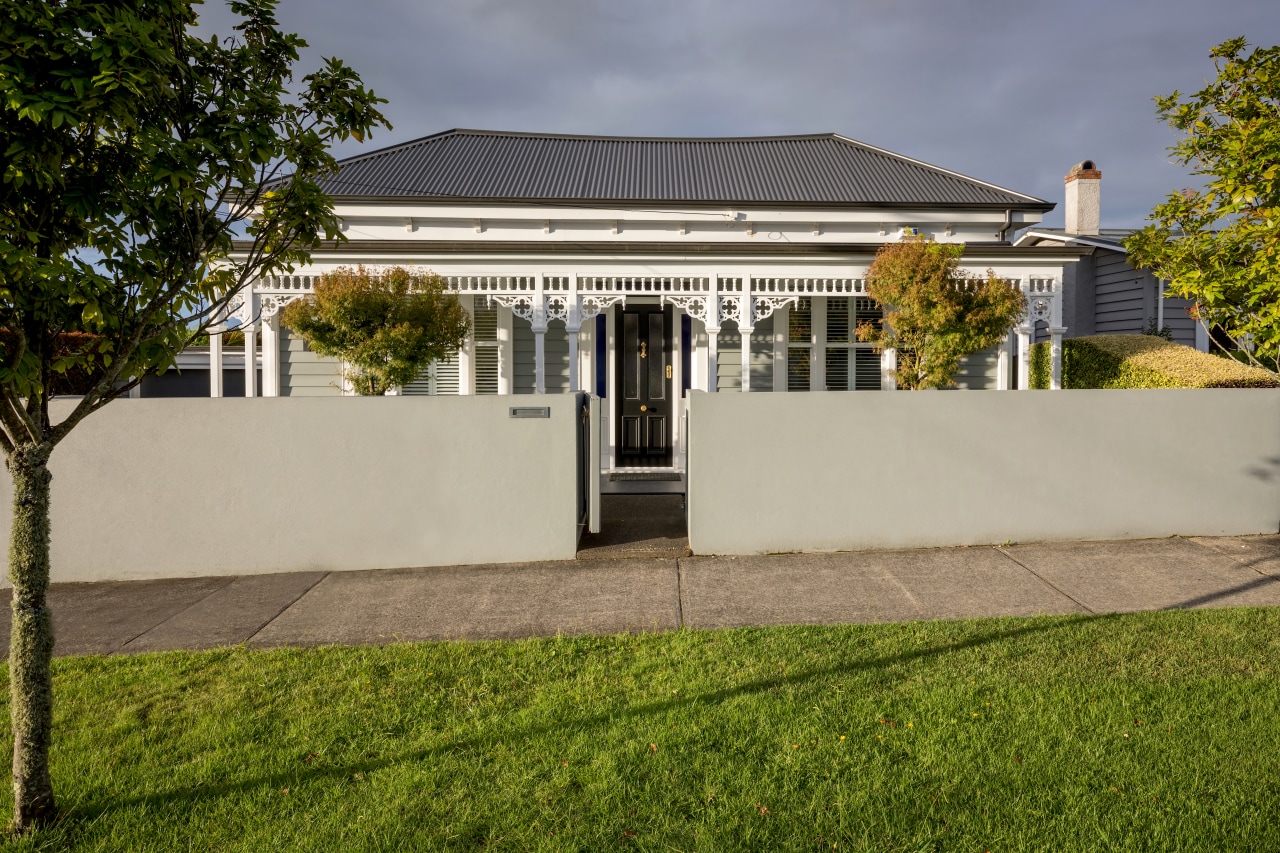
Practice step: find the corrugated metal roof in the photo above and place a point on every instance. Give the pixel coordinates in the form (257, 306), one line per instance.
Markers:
(817, 169)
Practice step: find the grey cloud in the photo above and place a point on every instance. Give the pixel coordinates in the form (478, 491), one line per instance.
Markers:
(1009, 92)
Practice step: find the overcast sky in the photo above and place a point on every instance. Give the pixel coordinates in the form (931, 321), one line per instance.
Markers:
(1009, 92)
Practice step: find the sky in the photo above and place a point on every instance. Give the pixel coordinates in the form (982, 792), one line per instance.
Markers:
(1013, 93)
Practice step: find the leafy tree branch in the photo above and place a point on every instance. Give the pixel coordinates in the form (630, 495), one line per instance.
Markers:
(1220, 246)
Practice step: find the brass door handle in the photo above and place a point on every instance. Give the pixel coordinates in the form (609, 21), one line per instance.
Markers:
(668, 371)
(644, 408)
(644, 349)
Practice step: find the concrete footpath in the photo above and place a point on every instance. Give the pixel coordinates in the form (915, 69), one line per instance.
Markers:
(608, 595)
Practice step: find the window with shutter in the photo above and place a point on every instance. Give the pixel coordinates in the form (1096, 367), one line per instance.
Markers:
(799, 345)
(484, 325)
(851, 365)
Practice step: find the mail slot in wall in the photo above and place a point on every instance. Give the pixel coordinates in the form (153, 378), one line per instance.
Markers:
(530, 411)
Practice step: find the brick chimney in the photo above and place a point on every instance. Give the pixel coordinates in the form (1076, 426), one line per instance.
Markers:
(1084, 195)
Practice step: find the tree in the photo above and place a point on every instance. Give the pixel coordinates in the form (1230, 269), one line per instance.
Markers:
(935, 313)
(133, 152)
(1220, 246)
(386, 327)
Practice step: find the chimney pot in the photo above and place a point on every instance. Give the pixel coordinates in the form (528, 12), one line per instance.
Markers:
(1083, 207)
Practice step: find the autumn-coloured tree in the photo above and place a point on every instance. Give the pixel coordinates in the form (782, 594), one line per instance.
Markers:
(935, 313)
(385, 326)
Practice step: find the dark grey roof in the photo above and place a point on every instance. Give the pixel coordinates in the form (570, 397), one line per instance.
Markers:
(821, 169)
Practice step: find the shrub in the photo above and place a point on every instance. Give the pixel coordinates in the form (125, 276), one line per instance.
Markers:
(935, 313)
(1142, 361)
(386, 326)
(76, 378)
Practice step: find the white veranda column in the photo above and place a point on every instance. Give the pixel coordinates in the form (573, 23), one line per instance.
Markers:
(215, 359)
(781, 323)
(466, 382)
(713, 332)
(572, 328)
(1055, 347)
(540, 359)
(271, 356)
(746, 325)
(573, 357)
(889, 369)
(1002, 364)
(539, 339)
(250, 360)
(818, 359)
(506, 350)
(1024, 357)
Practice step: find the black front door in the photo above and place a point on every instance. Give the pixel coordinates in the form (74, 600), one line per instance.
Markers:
(645, 405)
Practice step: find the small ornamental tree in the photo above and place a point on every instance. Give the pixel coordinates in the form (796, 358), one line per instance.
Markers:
(1220, 247)
(934, 312)
(385, 326)
(134, 151)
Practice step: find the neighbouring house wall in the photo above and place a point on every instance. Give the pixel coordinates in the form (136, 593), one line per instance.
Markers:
(1126, 302)
(555, 354)
(176, 488)
(1124, 298)
(193, 382)
(1078, 295)
(980, 371)
(910, 470)
(1178, 321)
(305, 374)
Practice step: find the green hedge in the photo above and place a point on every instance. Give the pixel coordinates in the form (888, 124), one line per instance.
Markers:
(1142, 361)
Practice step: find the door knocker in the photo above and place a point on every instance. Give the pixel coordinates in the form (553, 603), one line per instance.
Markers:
(644, 349)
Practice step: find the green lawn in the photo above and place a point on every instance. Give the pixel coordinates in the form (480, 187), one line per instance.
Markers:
(1145, 732)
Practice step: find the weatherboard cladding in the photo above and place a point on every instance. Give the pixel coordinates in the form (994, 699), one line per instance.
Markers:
(819, 169)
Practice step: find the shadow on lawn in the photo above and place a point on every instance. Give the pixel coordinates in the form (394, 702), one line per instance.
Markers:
(90, 812)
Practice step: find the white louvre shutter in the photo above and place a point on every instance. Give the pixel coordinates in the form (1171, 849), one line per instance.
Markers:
(422, 386)
(447, 376)
(485, 326)
(799, 345)
(866, 361)
(866, 365)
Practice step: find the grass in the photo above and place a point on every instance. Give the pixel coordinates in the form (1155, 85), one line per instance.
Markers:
(1143, 732)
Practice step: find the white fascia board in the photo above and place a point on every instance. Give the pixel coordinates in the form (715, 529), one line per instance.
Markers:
(1049, 257)
(1069, 239)
(673, 266)
(467, 214)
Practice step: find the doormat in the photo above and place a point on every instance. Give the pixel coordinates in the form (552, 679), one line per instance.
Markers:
(643, 477)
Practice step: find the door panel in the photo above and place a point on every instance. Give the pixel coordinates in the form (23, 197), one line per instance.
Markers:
(643, 406)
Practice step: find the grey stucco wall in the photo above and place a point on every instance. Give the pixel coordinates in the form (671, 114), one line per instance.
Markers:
(181, 487)
(901, 470)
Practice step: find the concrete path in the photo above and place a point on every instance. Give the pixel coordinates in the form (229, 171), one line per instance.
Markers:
(613, 595)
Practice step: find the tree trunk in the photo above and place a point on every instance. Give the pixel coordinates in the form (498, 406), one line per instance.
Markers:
(31, 640)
